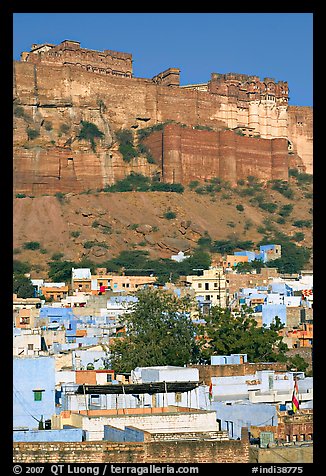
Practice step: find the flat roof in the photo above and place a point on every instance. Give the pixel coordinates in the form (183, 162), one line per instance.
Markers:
(138, 388)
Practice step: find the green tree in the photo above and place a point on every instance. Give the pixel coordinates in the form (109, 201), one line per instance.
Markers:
(227, 332)
(159, 332)
(60, 271)
(298, 363)
(23, 287)
(19, 267)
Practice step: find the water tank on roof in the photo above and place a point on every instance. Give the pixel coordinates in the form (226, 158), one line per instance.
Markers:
(266, 438)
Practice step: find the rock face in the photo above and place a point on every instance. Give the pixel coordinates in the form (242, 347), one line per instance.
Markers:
(57, 87)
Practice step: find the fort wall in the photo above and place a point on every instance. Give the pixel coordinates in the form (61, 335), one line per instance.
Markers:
(65, 84)
(188, 154)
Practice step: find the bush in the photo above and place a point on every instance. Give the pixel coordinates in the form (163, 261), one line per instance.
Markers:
(282, 187)
(20, 195)
(193, 184)
(64, 128)
(19, 267)
(19, 111)
(240, 208)
(134, 182)
(268, 206)
(32, 133)
(286, 210)
(60, 196)
(90, 244)
(74, 234)
(169, 215)
(142, 149)
(205, 241)
(167, 187)
(57, 256)
(89, 132)
(32, 245)
(127, 151)
(126, 147)
(298, 236)
(48, 125)
(302, 223)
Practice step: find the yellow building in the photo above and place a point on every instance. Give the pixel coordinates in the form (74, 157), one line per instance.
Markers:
(211, 285)
(98, 283)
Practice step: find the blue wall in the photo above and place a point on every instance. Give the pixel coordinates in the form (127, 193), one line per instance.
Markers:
(71, 434)
(270, 311)
(240, 415)
(128, 434)
(31, 373)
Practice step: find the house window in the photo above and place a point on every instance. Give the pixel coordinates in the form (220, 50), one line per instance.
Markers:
(30, 346)
(38, 395)
(199, 285)
(95, 399)
(109, 378)
(206, 286)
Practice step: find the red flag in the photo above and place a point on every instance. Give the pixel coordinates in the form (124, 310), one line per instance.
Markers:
(210, 392)
(295, 397)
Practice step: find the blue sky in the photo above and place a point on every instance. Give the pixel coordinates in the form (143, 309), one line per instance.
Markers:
(276, 45)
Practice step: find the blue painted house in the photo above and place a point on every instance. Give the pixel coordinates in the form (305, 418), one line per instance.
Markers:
(270, 311)
(232, 416)
(33, 391)
(61, 316)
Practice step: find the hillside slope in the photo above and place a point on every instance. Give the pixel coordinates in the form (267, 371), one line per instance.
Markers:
(99, 225)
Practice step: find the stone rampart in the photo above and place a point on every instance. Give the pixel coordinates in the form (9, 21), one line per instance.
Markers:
(188, 154)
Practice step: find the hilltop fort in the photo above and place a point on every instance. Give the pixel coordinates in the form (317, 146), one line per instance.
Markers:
(232, 126)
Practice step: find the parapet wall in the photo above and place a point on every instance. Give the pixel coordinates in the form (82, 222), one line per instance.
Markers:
(206, 372)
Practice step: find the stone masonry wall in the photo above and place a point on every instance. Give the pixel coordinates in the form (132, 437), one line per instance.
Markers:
(206, 372)
(186, 451)
(187, 154)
